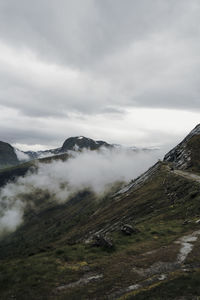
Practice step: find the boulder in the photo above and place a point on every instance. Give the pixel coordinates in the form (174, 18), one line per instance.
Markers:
(186, 222)
(128, 229)
(100, 240)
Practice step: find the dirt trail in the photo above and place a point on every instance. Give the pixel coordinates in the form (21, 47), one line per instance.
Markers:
(160, 271)
(186, 175)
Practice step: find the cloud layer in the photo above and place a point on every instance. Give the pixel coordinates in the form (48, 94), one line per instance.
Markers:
(75, 60)
(93, 170)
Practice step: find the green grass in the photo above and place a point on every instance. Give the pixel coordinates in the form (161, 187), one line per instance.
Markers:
(48, 250)
(10, 173)
(193, 146)
(186, 285)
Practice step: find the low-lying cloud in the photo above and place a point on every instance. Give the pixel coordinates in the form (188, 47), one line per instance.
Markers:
(21, 155)
(94, 170)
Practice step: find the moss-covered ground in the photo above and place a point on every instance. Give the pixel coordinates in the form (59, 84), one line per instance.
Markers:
(49, 250)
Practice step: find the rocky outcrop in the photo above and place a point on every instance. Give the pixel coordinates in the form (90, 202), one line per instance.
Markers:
(128, 229)
(181, 155)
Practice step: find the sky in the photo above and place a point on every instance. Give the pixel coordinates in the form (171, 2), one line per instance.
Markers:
(125, 72)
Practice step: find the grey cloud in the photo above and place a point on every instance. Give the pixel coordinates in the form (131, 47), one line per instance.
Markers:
(79, 32)
(30, 136)
(59, 58)
(63, 179)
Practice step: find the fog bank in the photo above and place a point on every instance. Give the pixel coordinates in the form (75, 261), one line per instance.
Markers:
(95, 170)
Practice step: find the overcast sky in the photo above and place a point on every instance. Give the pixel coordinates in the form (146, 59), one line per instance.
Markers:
(122, 71)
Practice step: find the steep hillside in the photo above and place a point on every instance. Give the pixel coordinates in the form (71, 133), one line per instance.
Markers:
(8, 156)
(186, 155)
(10, 174)
(53, 254)
(136, 242)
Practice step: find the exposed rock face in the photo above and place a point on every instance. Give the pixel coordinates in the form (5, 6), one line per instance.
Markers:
(138, 182)
(8, 156)
(76, 143)
(181, 155)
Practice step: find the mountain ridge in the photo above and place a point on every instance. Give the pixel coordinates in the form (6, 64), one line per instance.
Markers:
(77, 143)
(185, 155)
(132, 243)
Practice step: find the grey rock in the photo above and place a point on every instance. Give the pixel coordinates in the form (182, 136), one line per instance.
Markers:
(102, 241)
(128, 229)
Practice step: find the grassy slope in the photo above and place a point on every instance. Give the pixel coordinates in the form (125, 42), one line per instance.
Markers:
(12, 173)
(49, 250)
(194, 146)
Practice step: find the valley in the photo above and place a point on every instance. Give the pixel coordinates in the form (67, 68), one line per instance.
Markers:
(137, 241)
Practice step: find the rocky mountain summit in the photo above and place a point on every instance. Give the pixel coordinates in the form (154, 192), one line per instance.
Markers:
(10, 156)
(77, 143)
(186, 154)
(81, 142)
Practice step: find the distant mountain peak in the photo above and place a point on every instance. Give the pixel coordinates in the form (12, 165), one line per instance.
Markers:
(76, 143)
(81, 142)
